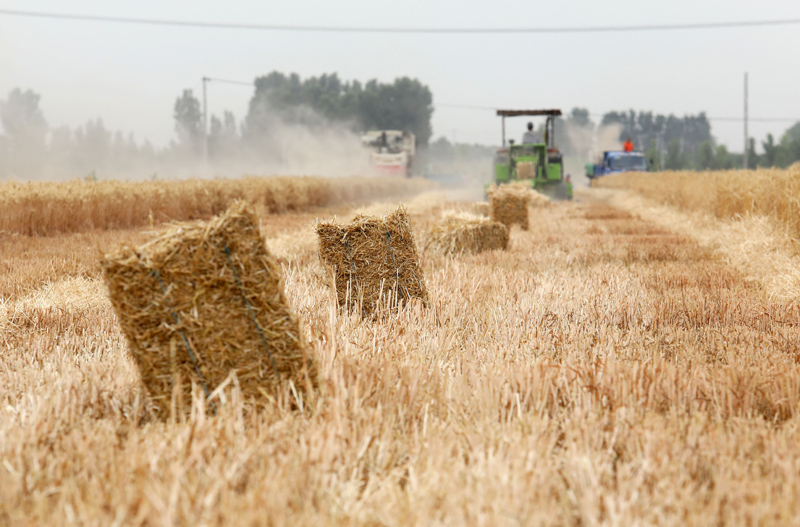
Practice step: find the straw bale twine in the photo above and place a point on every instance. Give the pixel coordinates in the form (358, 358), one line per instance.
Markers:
(466, 233)
(373, 260)
(205, 299)
(508, 205)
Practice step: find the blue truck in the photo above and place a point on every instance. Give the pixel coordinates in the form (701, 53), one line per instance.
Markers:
(615, 162)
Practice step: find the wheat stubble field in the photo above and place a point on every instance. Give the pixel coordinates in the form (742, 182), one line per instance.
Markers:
(605, 370)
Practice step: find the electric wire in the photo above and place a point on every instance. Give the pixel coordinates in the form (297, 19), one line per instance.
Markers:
(409, 30)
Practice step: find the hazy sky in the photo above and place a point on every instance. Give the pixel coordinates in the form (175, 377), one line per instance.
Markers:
(130, 75)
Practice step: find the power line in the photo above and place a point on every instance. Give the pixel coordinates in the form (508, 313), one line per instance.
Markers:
(227, 81)
(464, 106)
(417, 30)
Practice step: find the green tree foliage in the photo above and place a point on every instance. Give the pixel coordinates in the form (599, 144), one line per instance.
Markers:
(405, 104)
(705, 156)
(724, 160)
(752, 155)
(26, 128)
(653, 155)
(223, 136)
(675, 158)
(770, 151)
(188, 121)
(690, 130)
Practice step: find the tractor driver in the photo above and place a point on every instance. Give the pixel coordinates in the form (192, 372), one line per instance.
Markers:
(530, 136)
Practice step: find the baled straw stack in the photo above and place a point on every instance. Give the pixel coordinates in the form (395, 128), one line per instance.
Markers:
(373, 260)
(538, 199)
(202, 300)
(526, 170)
(466, 233)
(481, 209)
(509, 205)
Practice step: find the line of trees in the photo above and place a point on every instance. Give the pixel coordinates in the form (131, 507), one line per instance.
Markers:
(30, 149)
(671, 142)
(315, 103)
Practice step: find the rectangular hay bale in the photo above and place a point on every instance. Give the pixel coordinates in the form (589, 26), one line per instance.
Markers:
(374, 260)
(481, 209)
(509, 205)
(466, 233)
(203, 299)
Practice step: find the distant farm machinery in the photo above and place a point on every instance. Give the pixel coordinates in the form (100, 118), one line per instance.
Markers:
(538, 164)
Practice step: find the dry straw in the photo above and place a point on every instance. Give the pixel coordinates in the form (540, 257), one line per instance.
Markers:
(203, 300)
(508, 205)
(373, 260)
(45, 208)
(466, 233)
(481, 209)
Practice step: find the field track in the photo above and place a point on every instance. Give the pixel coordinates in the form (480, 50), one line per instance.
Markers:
(605, 370)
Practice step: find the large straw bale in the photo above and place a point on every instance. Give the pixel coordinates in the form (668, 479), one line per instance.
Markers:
(463, 232)
(373, 260)
(509, 205)
(189, 317)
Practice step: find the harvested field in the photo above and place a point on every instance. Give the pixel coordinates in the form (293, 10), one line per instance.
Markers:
(774, 193)
(606, 369)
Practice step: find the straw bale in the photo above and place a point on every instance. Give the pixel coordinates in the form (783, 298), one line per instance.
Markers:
(538, 199)
(189, 317)
(509, 205)
(526, 170)
(466, 233)
(481, 209)
(373, 260)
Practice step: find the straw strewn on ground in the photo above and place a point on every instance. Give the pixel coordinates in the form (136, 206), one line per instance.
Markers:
(78, 206)
(604, 370)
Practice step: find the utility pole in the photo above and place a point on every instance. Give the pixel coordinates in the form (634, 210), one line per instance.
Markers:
(746, 138)
(205, 126)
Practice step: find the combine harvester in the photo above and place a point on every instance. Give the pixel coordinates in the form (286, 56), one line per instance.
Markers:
(615, 162)
(392, 151)
(540, 165)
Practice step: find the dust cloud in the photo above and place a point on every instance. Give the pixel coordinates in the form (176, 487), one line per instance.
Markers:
(92, 152)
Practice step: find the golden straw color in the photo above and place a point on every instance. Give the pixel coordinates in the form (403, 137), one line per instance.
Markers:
(509, 205)
(463, 232)
(374, 261)
(480, 209)
(203, 300)
(49, 208)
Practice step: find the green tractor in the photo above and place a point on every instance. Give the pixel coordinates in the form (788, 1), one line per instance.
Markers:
(538, 164)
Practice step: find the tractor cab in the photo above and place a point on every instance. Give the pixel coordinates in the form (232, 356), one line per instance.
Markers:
(539, 165)
(615, 162)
